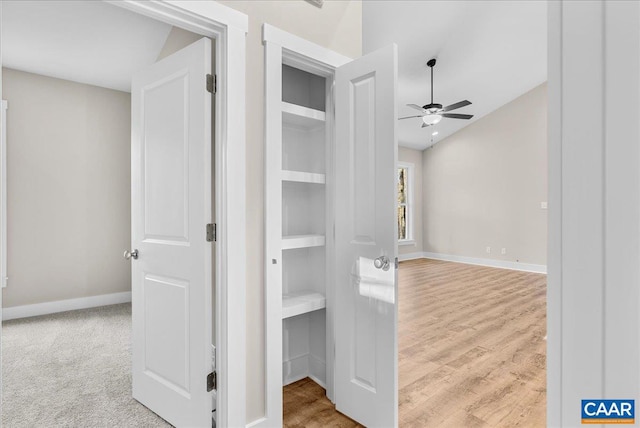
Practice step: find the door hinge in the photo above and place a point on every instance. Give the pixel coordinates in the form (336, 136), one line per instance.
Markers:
(397, 263)
(212, 83)
(212, 234)
(212, 381)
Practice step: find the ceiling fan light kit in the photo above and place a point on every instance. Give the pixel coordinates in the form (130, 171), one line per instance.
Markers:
(433, 113)
(431, 119)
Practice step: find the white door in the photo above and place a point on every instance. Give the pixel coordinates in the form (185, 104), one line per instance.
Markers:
(171, 206)
(366, 362)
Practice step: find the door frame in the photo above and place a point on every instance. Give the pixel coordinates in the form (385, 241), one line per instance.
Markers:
(282, 47)
(228, 29)
(594, 205)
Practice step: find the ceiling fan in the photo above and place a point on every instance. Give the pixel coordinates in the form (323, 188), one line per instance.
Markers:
(433, 113)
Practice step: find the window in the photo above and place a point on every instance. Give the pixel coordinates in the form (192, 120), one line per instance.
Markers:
(404, 202)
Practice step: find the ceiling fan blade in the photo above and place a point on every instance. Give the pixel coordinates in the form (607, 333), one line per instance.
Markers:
(409, 117)
(417, 107)
(457, 105)
(457, 116)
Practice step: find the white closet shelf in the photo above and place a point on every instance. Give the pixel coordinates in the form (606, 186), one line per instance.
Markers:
(302, 302)
(303, 177)
(302, 241)
(302, 117)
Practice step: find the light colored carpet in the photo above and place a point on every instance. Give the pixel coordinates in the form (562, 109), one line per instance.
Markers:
(71, 369)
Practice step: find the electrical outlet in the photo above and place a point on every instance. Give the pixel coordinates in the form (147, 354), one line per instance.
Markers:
(543, 205)
(488, 250)
(504, 251)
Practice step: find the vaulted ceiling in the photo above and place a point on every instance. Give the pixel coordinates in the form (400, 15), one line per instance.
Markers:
(488, 52)
(89, 42)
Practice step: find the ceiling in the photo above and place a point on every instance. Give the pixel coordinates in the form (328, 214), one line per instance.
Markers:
(89, 42)
(488, 52)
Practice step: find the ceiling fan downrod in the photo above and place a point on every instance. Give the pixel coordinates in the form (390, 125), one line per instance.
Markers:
(431, 63)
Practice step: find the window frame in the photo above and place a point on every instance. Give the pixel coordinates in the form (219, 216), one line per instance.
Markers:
(409, 240)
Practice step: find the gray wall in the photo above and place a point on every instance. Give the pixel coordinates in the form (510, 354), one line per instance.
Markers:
(178, 39)
(483, 186)
(337, 25)
(68, 195)
(414, 157)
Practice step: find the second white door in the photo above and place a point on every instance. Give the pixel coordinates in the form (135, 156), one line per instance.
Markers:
(171, 206)
(366, 360)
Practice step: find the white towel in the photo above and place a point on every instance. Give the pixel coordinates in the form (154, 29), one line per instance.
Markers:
(373, 282)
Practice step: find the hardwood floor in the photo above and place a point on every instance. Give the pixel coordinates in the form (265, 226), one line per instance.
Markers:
(471, 351)
(471, 346)
(306, 405)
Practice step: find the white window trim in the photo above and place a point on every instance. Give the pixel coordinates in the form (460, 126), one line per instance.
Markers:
(409, 203)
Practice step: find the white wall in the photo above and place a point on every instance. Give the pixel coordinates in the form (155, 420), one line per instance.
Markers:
(594, 205)
(414, 157)
(68, 153)
(483, 185)
(336, 25)
(178, 39)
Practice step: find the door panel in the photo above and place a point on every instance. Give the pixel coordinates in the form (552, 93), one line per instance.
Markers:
(166, 152)
(171, 205)
(166, 321)
(366, 229)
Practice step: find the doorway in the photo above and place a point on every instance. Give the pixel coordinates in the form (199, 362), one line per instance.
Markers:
(208, 24)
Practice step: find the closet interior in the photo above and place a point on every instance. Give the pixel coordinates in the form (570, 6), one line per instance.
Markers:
(304, 225)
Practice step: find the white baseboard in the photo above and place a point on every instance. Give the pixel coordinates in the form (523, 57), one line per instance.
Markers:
(304, 366)
(317, 370)
(64, 305)
(258, 423)
(318, 381)
(411, 256)
(295, 369)
(502, 264)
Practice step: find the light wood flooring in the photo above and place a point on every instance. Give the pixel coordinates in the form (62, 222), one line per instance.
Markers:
(471, 351)
(306, 405)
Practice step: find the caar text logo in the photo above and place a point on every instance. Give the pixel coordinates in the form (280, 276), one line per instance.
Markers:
(608, 411)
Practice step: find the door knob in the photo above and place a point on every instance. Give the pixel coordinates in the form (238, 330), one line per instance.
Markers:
(131, 254)
(382, 262)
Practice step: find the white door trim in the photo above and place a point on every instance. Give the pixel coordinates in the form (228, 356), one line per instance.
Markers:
(295, 44)
(228, 28)
(3, 197)
(554, 226)
(594, 205)
(282, 47)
